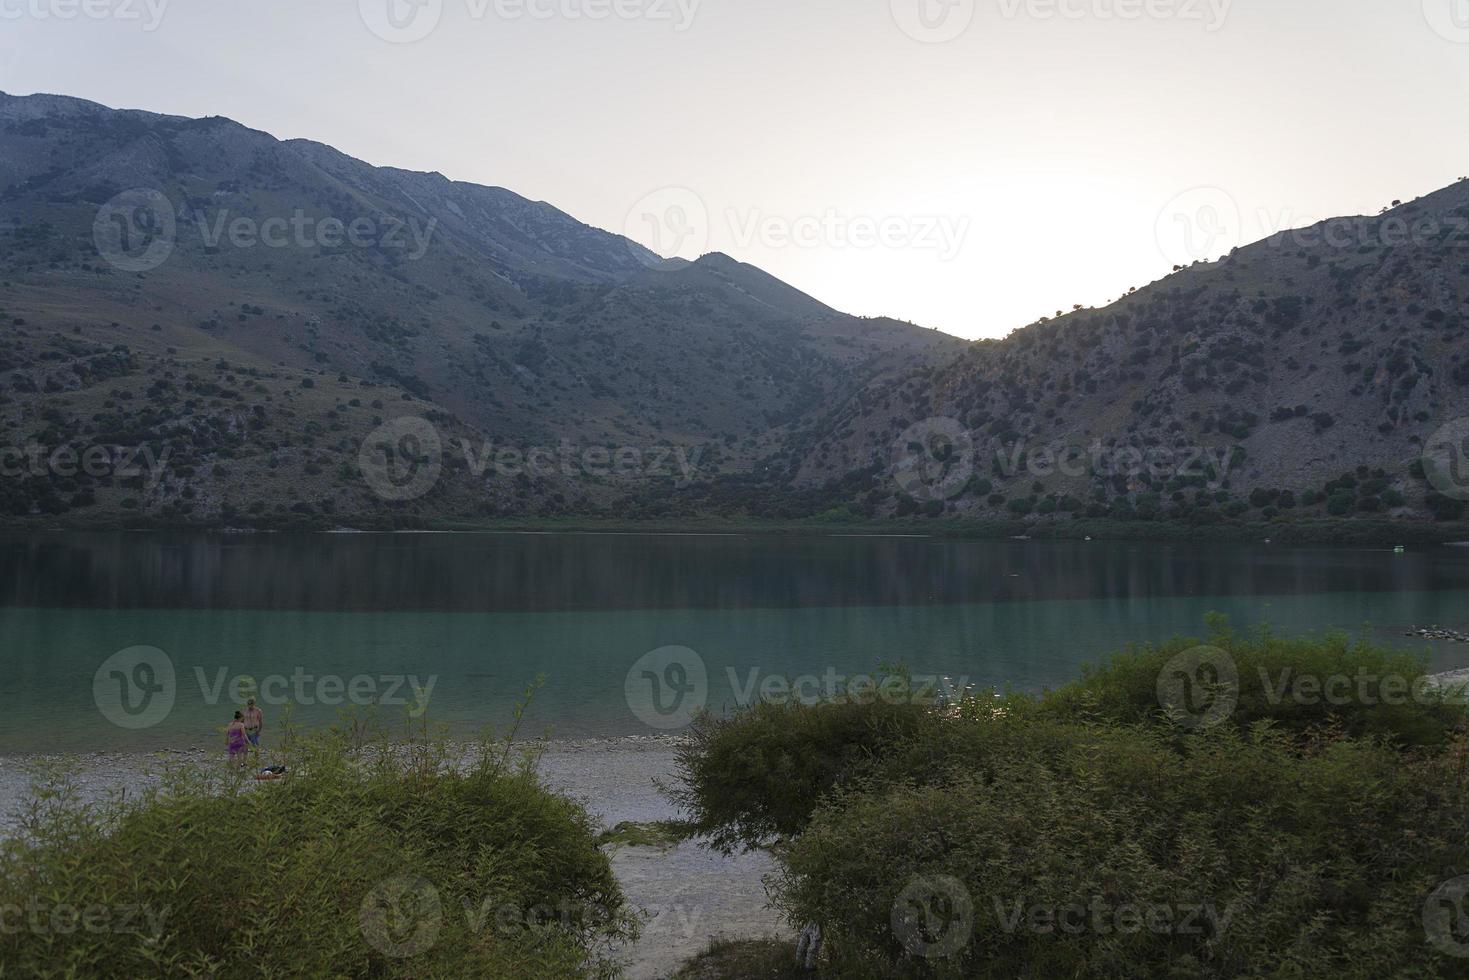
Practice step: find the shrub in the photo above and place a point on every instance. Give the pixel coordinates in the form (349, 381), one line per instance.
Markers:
(1291, 839)
(1282, 681)
(284, 878)
(758, 773)
(1253, 858)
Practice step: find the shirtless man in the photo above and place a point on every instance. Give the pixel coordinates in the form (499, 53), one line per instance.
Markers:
(254, 723)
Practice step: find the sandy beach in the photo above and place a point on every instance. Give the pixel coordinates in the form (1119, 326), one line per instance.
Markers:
(689, 893)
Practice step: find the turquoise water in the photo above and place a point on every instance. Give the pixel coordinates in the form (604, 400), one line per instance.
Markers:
(471, 620)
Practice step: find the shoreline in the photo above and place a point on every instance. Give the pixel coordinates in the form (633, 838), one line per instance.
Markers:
(1304, 531)
(690, 895)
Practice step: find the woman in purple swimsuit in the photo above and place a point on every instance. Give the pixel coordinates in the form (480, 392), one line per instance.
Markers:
(235, 739)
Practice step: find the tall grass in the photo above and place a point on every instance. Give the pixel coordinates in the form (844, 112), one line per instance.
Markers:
(377, 856)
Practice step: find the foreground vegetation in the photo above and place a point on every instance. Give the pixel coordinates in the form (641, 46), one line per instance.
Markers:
(374, 859)
(1089, 832)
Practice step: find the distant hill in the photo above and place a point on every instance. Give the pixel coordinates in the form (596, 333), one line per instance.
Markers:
(1300, 376)
(253, 309)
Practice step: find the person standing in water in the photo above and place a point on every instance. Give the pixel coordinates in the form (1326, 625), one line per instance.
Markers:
(254, 724)
(234, 737)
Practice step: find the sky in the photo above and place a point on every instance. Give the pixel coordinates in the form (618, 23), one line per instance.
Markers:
(967, 165)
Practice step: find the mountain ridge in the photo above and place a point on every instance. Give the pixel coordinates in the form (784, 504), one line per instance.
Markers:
(495, 315)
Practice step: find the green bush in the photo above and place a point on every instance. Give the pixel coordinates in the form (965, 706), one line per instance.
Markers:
(1121, 856)
(1294, 683)
(1086, 832)
(757, 774)
(366, 854)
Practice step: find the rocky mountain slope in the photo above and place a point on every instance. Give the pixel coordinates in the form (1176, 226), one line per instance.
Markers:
(201, 323)
(1308, 374)
(254, 309)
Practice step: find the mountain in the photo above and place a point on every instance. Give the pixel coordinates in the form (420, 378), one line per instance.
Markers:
(254, 309)
(1310, 374)
(275, 332)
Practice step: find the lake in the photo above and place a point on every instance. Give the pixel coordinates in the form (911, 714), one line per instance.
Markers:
(140, 641)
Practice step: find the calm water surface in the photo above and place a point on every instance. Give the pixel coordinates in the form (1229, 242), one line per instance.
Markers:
(481, 616)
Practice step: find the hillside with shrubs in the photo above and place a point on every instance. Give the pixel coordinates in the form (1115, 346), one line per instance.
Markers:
(181, 288)
(1300, 376)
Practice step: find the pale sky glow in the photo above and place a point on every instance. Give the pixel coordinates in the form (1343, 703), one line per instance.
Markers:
(973, 185)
